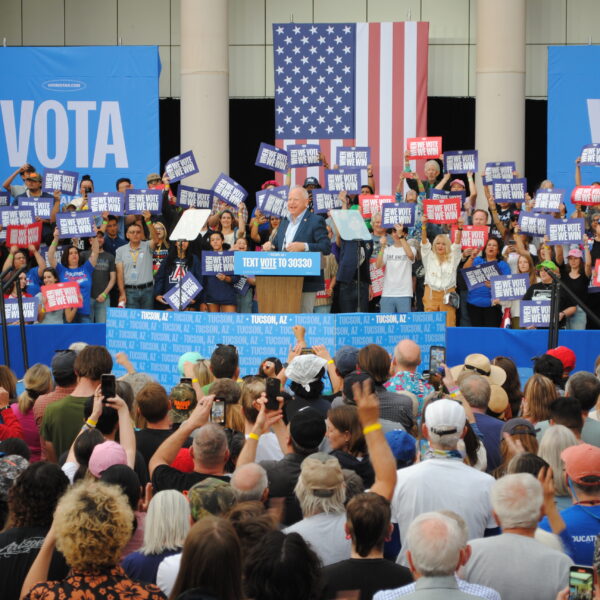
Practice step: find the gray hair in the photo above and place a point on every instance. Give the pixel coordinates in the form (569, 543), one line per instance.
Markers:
(476, 390)
(517, 500)
(434, 541)
(210, 445)
(304, 191)
(554, 441)
(167, 522)
(314, 505)
(137, 381)
(249, 482)
(462, 525)
(433, 163)
(448, 441)
(77, 347)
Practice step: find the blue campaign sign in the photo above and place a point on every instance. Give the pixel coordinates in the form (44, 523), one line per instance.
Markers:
(573, 110)
(154, 340)
(461, 161)
(214, 263)
(347, 179)
(304, 155)
(270, 157)
(277, 263)
(4, 198)
(42, 207)
(87, 109)
(181, 166)
(353, 156)
(111, 202)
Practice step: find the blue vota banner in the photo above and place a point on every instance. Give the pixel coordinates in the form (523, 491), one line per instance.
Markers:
(87, 109)
(573, 111)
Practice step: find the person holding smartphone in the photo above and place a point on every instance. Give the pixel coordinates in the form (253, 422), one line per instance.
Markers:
(397, 283)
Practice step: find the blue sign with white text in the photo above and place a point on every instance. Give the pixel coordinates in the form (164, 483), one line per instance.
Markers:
(154, 340)
(277, 263)
(573, 110)
(85, 109)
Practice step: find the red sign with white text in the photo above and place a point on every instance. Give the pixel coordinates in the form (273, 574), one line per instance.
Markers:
(370, 205)
(442, 211)
(377, 276)
(587, 195)
(59, 296)
(473, 236)
(24, 236)
(424, 147)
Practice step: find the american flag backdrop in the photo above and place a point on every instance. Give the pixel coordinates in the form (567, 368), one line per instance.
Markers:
(351, 84)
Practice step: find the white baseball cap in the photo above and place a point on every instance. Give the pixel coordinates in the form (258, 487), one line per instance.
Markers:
(445, 417)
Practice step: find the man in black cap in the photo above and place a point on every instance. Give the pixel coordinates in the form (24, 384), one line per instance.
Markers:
(306, 432)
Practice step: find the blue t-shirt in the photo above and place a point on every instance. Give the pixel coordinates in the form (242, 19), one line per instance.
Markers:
(144, 567)
(583, 525)
(83, 276)
(33, 281)
(482, 296)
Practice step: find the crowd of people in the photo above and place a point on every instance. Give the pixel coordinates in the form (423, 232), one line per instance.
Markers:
(131, 262)
(459, 483)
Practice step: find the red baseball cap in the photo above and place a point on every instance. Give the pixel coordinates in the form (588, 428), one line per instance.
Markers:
(565, 355)
(582, 463)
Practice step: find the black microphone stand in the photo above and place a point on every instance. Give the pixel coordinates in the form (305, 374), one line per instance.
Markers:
(6, 286)
(557, 286)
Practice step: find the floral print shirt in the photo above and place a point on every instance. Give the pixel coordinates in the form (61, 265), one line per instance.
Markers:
(108, 584)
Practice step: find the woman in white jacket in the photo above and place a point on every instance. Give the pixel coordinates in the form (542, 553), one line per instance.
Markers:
(440, 261)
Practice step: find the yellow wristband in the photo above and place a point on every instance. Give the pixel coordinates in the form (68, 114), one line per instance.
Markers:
(330, 361)
(253, 436)
(195, 380)
(370, 428)
(91, 423)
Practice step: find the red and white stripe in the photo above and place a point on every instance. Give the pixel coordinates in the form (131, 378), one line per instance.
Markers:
(390, 100)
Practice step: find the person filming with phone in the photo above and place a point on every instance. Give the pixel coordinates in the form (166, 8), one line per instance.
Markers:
(209, 451)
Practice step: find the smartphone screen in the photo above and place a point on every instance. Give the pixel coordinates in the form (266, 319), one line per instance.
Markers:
(108, 385)
(437, 357)
(273, 389)
(186, 380)
(581, 583)
(217, 412)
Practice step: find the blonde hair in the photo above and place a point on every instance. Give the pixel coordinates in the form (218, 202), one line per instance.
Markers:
(539, 394)
(442, 237)
(203, 373)
(556, 439)
(37, 381)
(93, 523)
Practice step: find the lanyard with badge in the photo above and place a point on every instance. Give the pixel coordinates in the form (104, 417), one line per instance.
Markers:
(135, 254)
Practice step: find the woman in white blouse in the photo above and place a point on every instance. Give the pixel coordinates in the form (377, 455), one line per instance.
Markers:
(440, 262)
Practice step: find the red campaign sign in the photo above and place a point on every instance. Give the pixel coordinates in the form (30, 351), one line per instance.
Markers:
(24, 236)
(588, 195)
(424, 147)
(323, 292)
(61, 295)
(370, 205)
(473, 236)
(377, 276)
(442, 211)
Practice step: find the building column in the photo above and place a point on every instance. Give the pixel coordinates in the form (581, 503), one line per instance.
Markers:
(205, 87)
(500, 107)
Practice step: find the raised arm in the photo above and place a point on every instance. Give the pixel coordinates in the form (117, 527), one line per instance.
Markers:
(424, 239)
(167, 451)
(578, 171)
(153, 234)
(370, 178)
(95, 245)
(52, 249)
(587, 256)
(382, 459)
(495, 218)
(126, 433)
(442, 182)
(8, 181)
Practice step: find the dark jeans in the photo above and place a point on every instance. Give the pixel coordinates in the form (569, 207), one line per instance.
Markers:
(485, 316)
(347, 297)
